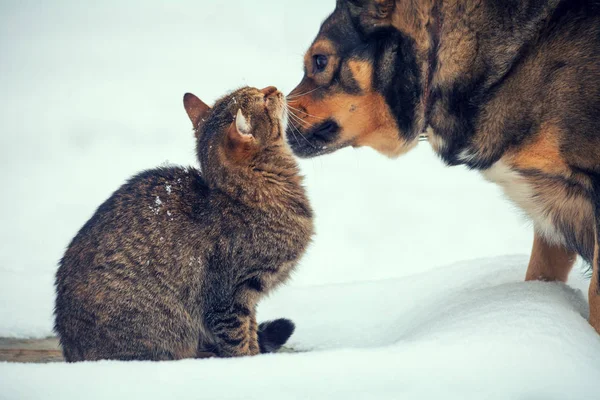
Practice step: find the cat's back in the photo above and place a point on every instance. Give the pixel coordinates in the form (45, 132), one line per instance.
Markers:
(134, 270)
(140, 218)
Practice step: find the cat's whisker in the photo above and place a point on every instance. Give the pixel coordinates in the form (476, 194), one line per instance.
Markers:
(294, 118)
(296, 96)
(307, 114)
(291, 111)
(291, 125)
(297, 130)
(298, 119)
(304, 137)
(305, 126)
(301, 124)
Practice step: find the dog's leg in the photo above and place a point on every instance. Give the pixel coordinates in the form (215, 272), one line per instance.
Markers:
(594, 292)
(549, 262)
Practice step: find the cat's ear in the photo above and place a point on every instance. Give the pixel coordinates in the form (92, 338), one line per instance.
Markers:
(242, 125)
(196, 109)
(240, 141)
(240, 131)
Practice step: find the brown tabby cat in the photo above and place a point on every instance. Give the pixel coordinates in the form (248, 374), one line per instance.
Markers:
(173, 264)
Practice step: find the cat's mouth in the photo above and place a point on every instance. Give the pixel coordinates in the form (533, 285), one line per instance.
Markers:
(317, 140)
(275, 102)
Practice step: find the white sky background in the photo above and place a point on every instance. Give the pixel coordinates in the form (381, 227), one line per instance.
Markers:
(90, 93)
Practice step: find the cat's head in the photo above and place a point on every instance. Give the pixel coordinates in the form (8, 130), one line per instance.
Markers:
(239, 127)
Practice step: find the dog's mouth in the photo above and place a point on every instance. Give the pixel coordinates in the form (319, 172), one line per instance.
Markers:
(318, 140)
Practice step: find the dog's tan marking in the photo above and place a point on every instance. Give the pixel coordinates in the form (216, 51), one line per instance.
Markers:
(543, 153)
(520, 190)
(362, 71)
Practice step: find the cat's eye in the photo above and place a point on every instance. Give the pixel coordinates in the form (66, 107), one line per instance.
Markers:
(320, 62)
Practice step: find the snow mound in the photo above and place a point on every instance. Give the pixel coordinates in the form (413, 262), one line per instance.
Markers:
(472, 330)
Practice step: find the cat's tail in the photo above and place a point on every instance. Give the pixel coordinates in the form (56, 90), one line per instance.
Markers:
(273, 334)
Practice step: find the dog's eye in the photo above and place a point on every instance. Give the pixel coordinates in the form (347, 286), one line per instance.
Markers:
(320, 62)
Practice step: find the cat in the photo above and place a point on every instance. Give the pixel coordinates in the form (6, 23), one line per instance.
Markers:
(173, 264)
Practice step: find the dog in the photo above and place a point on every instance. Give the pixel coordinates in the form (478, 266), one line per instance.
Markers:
(509, 88)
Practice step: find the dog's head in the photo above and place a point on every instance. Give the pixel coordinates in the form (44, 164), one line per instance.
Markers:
(361, 85)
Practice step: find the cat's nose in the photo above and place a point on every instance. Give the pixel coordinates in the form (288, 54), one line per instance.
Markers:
(269, 90)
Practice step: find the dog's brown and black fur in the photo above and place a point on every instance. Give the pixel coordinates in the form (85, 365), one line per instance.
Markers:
(173, 264)
(507, 87)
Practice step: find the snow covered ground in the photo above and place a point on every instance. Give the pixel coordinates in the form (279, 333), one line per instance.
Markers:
(91, 93)
(467, 331)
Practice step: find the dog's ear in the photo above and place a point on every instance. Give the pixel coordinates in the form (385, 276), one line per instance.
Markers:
(372, 13)
(196, 109)
(382, 9)
(357, 3)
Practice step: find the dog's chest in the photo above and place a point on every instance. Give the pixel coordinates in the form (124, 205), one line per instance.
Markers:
(523, 191)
